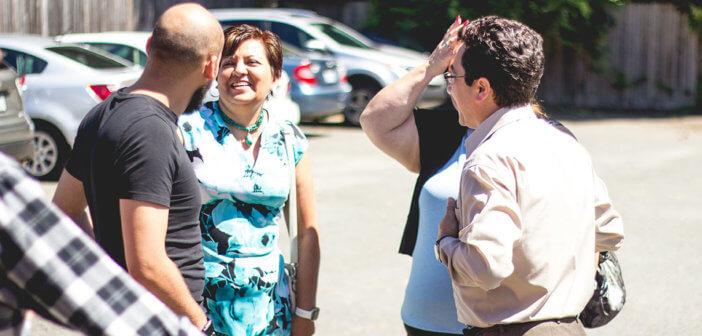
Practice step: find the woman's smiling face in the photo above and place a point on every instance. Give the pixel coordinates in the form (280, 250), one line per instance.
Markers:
(246, 77)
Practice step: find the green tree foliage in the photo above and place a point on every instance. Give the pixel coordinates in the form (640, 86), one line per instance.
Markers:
(579, 25)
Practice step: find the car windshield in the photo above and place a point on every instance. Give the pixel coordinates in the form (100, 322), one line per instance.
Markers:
(88, 58)
(340, 36)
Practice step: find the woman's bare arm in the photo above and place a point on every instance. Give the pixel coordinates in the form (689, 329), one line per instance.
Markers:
(388, 119)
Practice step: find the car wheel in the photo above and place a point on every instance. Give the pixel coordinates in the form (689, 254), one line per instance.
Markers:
(50, 152)
(361, 94)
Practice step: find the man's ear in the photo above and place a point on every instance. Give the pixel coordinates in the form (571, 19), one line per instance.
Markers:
(148, 46)
(484, 89)
(212, 66)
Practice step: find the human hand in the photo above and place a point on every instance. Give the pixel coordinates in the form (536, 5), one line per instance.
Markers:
(444, 52)
(302, 326)
(449, 224)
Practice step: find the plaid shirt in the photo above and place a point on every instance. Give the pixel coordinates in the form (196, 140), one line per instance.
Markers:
(49, 265)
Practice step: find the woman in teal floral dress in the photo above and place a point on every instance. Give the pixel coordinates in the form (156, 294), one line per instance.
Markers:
(238, 151)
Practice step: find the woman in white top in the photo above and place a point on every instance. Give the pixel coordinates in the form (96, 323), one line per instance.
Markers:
(431, 143)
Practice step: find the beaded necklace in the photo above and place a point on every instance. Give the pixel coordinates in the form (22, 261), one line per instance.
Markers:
(249, 139)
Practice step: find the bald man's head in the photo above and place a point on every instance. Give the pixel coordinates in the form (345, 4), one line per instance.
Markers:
(185, 35)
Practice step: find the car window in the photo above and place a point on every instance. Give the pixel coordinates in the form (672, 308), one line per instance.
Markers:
(23, 63)
(289, 50)
(263, 25)
(291, 34)
(88, 58)
(340, 36)
(131, 54)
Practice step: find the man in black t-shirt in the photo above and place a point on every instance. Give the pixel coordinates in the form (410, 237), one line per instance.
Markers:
(129, 167)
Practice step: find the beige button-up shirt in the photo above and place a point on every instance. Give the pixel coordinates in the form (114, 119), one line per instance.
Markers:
(532, 213)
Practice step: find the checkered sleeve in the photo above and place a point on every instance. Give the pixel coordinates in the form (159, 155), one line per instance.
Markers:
(64, 273)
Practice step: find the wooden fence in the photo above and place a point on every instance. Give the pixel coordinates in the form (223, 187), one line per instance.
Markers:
(54, 17)
(147, 11)
(652, 63)
(653, 57)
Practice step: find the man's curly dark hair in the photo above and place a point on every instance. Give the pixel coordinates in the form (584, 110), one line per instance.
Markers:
(506, 52)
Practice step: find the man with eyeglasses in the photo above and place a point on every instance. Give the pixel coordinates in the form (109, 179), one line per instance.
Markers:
(520, 242)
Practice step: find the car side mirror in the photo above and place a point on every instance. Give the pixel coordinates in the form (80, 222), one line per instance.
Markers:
(316, 45)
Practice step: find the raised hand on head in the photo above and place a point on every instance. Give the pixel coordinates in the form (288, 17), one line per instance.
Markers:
(442, 55)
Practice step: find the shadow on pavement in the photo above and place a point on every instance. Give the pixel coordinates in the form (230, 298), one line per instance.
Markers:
(578, 114)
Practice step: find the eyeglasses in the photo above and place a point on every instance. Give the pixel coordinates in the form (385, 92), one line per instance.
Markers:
(449, 77)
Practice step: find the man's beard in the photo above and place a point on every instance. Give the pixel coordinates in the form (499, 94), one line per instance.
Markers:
(196, 99)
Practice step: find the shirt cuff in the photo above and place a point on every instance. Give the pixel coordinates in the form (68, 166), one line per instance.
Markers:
(444, 244)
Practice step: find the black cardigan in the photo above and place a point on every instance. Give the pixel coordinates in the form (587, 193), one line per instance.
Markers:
(439, 137)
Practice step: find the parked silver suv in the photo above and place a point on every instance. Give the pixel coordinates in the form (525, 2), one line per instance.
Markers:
(16, 129)
(369, 66)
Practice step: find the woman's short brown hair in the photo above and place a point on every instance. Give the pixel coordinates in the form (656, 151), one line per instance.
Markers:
(235, 35)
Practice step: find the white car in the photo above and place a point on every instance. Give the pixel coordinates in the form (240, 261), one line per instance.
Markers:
(369, 66)
(131, 46)
(62, 83)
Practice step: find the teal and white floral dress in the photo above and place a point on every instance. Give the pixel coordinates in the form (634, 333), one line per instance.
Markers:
(245, 287)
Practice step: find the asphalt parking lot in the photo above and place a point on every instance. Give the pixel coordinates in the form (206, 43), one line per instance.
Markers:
(651, 167)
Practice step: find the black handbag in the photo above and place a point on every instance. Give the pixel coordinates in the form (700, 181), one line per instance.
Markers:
(609, 296)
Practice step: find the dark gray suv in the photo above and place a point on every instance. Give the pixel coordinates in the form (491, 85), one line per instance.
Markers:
(16, 129)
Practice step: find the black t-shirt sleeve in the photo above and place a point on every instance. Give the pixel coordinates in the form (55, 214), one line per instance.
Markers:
(146, 161)
(79, 152)
(72, 163)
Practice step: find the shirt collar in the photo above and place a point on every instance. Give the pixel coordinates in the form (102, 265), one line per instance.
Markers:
(495, 121)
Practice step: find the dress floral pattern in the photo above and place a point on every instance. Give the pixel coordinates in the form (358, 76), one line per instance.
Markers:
(245, 286)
